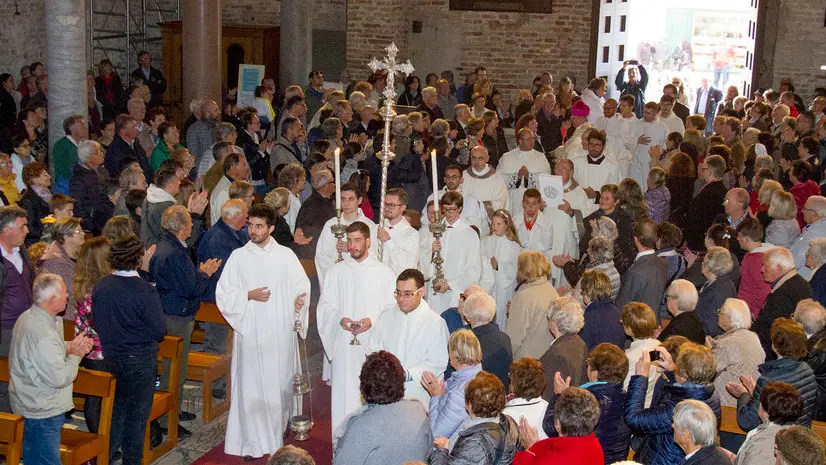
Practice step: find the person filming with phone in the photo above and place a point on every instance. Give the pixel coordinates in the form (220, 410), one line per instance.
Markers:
(635, 83)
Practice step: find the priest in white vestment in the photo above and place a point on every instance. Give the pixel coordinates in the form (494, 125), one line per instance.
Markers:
(328, 247)
(579, 125)
(650, 131)
(619, 134)
(596, 169)
(400, 240)
(460, 251)
(521, 168)
(355, 293)
(473, 212)
(484, 183)
(548, 231)
(668, 117)
(262, 291)
(501, 250)
(414, 333)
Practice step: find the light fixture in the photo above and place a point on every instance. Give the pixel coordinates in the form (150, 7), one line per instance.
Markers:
(823, 68)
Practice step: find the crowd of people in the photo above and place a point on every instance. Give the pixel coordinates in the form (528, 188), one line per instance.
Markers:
(681, 272)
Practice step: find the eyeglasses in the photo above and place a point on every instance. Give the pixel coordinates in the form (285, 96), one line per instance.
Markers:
(392, 205)
(407, 294)
(450, 209)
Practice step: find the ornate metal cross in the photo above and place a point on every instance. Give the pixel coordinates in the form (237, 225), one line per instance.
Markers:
(388, 113)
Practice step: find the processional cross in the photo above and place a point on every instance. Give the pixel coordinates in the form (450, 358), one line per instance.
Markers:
(388, 113)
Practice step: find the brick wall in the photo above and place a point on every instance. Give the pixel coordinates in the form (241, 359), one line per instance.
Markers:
(22, 38)
(515, 47)
(799, 52)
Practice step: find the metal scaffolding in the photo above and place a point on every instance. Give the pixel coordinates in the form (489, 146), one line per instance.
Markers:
(118, 29)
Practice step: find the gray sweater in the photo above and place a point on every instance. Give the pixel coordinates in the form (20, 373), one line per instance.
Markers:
(384, 434)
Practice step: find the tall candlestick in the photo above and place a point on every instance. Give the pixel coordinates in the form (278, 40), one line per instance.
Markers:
(337, 157)
(434, 172)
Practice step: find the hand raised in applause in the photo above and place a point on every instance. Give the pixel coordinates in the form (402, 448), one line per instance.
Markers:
(210, 266)
(198, 202)
(79, 346)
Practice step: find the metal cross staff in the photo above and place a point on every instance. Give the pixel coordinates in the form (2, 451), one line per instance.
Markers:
(388, 113)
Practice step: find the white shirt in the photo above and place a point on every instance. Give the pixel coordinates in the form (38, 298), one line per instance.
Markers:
(401, 251)
(14, 257)
(702, 101)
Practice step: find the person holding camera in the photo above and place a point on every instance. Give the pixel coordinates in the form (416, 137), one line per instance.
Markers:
(635, 84)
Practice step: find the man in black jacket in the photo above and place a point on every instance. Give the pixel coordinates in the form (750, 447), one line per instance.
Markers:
(152, 77)
(681, 299)
(125, 148)
(707, 204)
(548, 125)
(708, 98)
(679, 109)
(480, 311)
(92, 203)
(788, 289)
(695, 431)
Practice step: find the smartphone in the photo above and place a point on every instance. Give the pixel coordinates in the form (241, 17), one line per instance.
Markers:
(654, 355)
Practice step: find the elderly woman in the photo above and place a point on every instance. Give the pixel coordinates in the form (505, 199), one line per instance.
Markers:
(681, 301)
(526, 388)
(609, 199)
(783, 229)
(527, 327)
(601, 316)
(639, 323)
(689, 378)
(606, 256)
(131, 178)
(487, 437)
(567, 355)
(92, 204)
(607, 368)
(294, 178)
(717, 265)
(788, 341)
(737, 351)
(780, 407)
(447, 399)
(67, 237)
(279, 200)
(798, 445)
(718, 235)
(388, 429)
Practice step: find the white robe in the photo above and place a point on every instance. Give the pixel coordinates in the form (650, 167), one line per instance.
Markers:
(419, 340)
(594, 104)
(401, 251)
(506, 252)
(621, 141)
(473, 211)
(491, 189)
(509, 166)
(573, 143)
(217, 198)
(639, 168)
(462, 264)
(596, 176)
(263, 348)
(551, 234)
(579, 200)
(325, 252)
(673, 123)
(353, 290)
(292, 213)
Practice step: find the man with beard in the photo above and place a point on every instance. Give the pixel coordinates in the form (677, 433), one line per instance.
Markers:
(201, 135)
(263, 291)
(355, 292)
(650, 131)
(473, 211)
(596, 169)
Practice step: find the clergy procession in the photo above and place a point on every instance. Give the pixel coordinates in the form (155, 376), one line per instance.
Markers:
(569, 278)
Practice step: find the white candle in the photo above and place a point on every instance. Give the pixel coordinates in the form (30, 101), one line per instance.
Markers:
(337, 157)
(434, 172)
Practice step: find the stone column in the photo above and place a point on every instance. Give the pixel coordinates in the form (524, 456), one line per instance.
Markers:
(66, 44)
(296, 42)
(201, 59)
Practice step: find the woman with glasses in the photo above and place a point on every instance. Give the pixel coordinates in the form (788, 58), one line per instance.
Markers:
(20, 157)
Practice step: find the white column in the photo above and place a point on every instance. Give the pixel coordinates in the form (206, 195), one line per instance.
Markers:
(66, 46)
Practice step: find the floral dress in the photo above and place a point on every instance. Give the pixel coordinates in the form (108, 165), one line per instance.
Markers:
(83, 323)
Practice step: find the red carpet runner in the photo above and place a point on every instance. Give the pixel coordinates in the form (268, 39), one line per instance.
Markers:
(319, 445)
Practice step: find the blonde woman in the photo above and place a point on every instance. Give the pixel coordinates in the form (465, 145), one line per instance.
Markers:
(501, 247)
(527, 323)
(783, 229)
(447, 399)
(764, 198)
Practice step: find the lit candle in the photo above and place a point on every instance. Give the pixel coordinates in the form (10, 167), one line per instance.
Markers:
(433, 171)
(337, 157)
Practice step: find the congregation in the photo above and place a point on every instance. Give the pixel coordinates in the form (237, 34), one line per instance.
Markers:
(680, 275)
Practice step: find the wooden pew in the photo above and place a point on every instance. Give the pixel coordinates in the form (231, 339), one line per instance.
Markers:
(728, 423)
(78, 447)
(206, 367)
(165, 402)
(11, 437)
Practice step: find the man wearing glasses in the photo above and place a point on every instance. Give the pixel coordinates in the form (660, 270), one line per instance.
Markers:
(399, 239)
(472, 211)
(414, 333)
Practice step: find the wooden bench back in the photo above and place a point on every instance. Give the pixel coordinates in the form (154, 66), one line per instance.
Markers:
(172, 347)
(209, 313)
(11, 435)
(728, 423)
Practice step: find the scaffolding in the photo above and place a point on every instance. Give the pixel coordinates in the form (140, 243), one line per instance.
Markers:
(118, 29)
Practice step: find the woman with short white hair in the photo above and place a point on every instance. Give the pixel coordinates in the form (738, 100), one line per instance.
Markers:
(737, 351)
(717, 265)
(568, 354)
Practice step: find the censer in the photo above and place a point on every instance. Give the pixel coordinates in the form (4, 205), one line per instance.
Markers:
(300, 424)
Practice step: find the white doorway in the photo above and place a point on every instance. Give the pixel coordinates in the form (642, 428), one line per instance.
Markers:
(711, 39)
